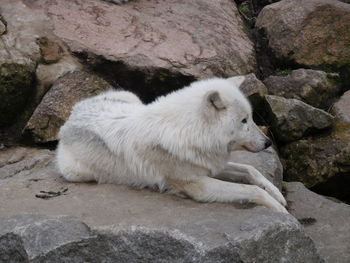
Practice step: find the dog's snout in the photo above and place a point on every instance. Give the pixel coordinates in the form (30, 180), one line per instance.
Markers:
(268, 143)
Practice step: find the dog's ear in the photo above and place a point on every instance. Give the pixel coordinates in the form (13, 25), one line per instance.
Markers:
(213, 99)
(236, 81)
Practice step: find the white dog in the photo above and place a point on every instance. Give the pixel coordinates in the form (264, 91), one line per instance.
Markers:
(180, 143)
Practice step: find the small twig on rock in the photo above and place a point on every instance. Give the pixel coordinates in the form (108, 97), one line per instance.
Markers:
(50, 194)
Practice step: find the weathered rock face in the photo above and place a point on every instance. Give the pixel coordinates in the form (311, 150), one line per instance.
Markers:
(314, 33)
(314, 87)
(136, 225)
(26, 44)
(20, 159)
(326, 221)
(56, 105)
(19, 55)
(267, 162)
(154, 45)
(254, 89)
(341, 109)
(2, 25)
(66, 239)
(317, 160)
(16, 76)
(292, 119)
(51, 52)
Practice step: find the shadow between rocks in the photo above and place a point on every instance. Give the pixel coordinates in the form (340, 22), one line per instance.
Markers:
(147, 82)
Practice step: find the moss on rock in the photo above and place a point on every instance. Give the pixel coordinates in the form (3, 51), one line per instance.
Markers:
(15, 87)
(316, 160)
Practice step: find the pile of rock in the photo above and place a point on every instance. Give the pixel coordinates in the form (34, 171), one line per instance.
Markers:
(55, 53)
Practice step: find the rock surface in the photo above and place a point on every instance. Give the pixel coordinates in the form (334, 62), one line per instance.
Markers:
(317, 160)
(313, 87)
(156, 46)
(19, 55)
(22, 160)
(314, 33)
(56, 105)
(341, 109)
(137, 225)
(51, 52)
(292, 119)
(254, 89)
(326, 221)
(2, 25)
(267, 162)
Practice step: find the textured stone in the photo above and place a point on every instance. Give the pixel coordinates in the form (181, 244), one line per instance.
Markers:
(326, 221)
(254, 89)
(341, 109)
(56, 105)
(292, 119)
(313, 87)
(51, 52)
(20, 159)
(155, 46)
(18, 57)
(2, 25)
(131, 225)
(267, 162)
(314, 33)
(64, 239)
(318, 160)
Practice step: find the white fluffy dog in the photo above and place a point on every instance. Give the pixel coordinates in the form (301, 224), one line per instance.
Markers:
(180, 143)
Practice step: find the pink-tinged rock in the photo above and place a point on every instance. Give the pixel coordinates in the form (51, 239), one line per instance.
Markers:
(198, 38)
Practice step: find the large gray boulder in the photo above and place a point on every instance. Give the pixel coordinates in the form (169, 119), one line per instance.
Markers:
(313, 87)
(309, 32)
(155, 46)
(291, 119)
(115, 223)
(40, 238)
(57, 103)
(327, 222)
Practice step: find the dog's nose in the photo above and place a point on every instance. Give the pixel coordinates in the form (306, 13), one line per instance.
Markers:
(268, 143)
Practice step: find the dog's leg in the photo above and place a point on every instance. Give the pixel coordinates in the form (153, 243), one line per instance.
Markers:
(206, 189)
(248, 174)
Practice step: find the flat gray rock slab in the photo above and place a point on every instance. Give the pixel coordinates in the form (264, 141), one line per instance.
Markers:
(327, 222)
(128, 225)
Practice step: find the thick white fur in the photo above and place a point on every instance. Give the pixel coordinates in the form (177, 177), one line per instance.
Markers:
(180, 143)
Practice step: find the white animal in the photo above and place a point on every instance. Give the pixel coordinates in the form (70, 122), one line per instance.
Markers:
(180, 143)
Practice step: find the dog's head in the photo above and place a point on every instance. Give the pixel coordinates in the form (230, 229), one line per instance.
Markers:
(227, 109)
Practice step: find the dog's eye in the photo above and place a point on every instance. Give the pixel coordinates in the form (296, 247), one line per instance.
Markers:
(244, 120)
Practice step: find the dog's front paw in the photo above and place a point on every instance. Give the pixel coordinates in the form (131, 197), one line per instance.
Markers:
(275, 193)
(273, 203)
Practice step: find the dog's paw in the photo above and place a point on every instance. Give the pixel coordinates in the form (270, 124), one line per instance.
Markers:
(272, 203)
(275, 193)
(269, 187)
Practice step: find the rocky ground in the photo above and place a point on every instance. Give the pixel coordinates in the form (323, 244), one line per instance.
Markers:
(296, 57)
